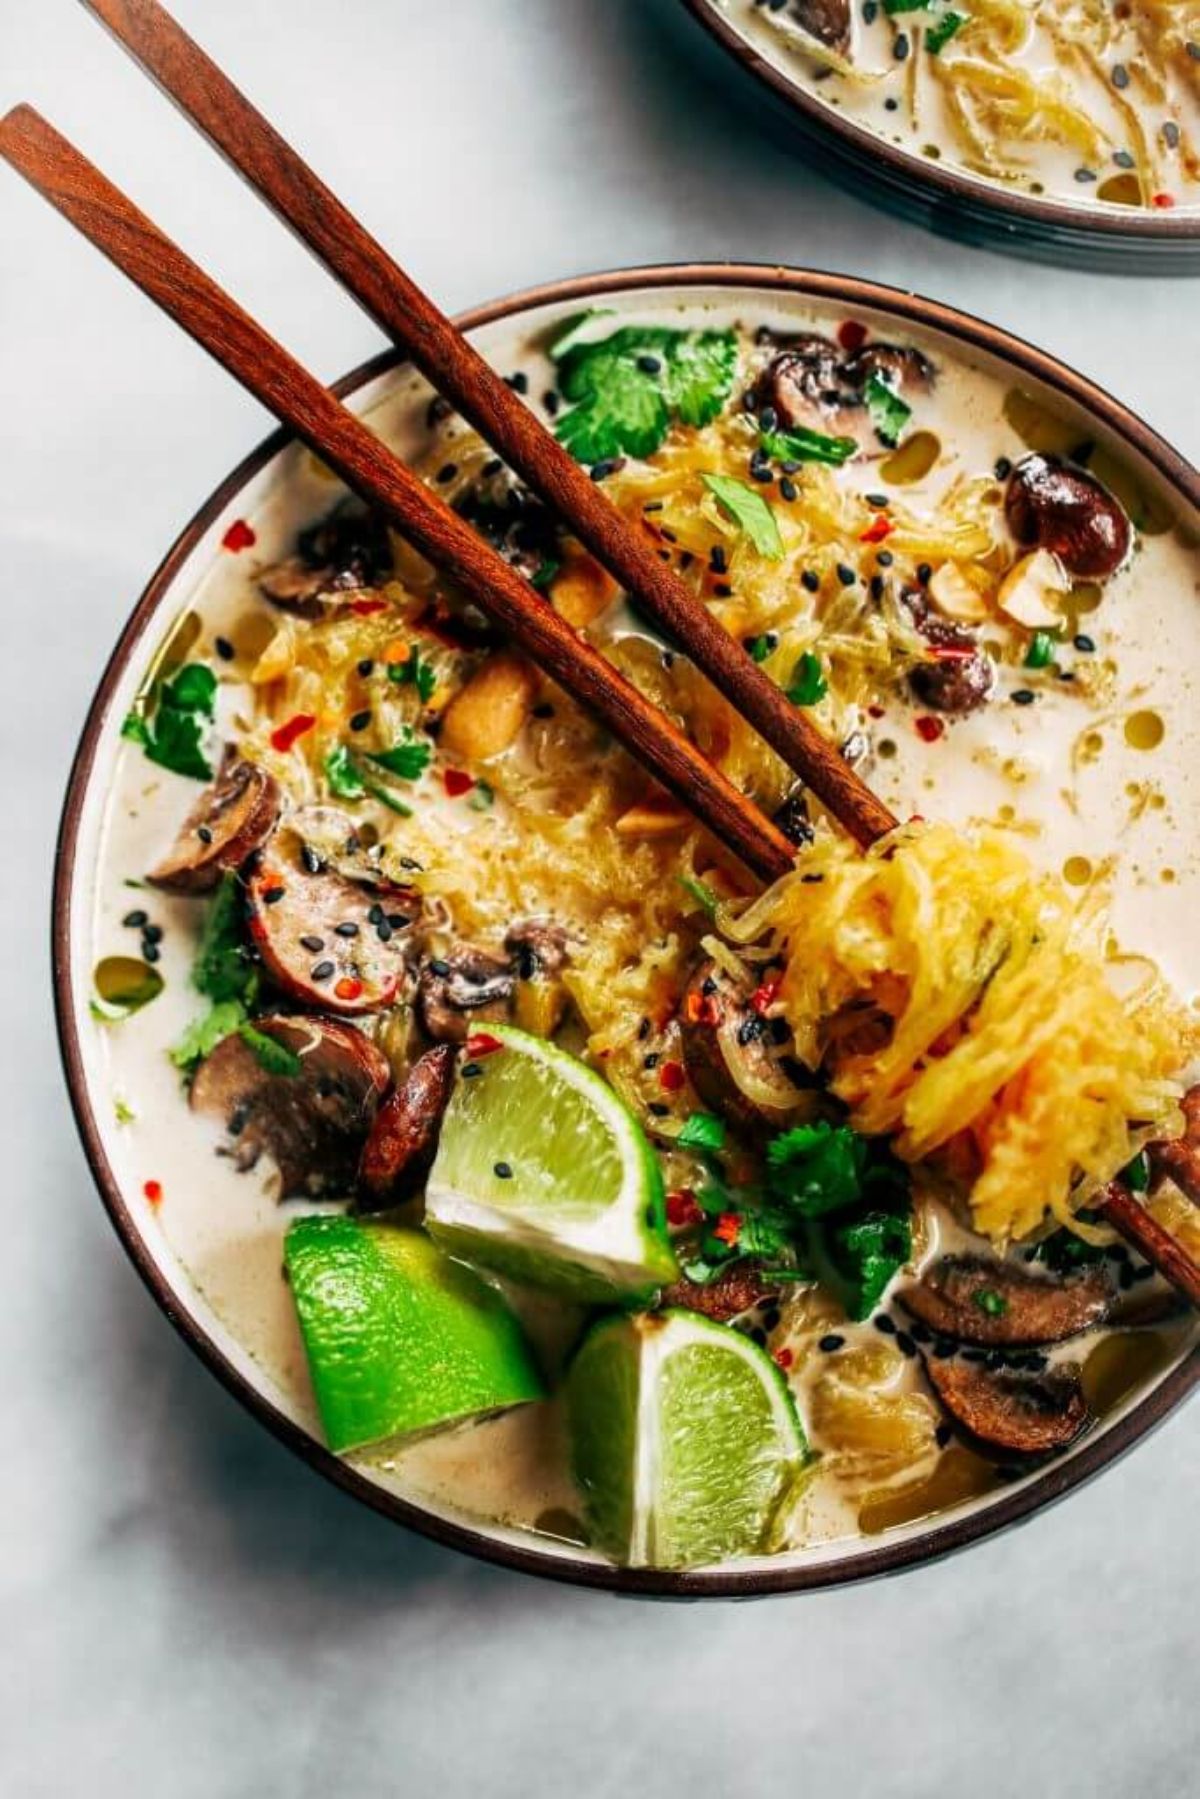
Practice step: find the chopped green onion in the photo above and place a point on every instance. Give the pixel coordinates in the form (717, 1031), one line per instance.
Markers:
(808, 684)
(702, 1131)
(1040, 653)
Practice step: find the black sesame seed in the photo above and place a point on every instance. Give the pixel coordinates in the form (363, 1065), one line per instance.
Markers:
(788, 488)
(383, 931)
(901, 47)
(876, 499)
(360, 721)
(975, 1355)
(153, 933)
(870, 11)
(885, 1324)
(891, 104)
(224, 649)
(643, 1030)
(650, 365)
(446, 473)
(905, 1344)
(718, 561)
(439, 968)
(1085, 175)
(551, 402)
(310, 859)
(273, 895)
(1003, 468)
(133, 921)
(407, 862)
(314, 945)
(877, 587)
(323, 971)
(759, 472)
(518, 382)
(924, 573)
(471, 1069)
(375, 915)
(885, 558)
(790, 467)
(502, 1171)
(1170, 135)
(846, 574)
(398, 921)
(346, 929)
(1123, 159)
(1120, 75)
(810, 581)
(657, 1109)
(943, 1350)
(1084, 644)
(942, 1435)
(1023, 696)
(651, 1061)
(238, 1119)
(768, 420)
(151, 952)
(830, 1343)
(920, 1333)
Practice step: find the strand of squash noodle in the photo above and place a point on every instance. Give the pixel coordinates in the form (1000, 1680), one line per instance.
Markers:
(999, 1044)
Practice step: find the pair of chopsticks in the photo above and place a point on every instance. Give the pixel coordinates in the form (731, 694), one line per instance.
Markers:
(411, 319)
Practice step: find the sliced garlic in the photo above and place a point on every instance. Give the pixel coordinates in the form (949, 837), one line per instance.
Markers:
(1033, 591)
(955, 594)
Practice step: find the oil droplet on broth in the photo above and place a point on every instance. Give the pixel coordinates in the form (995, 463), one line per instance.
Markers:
(126, 982)
(1090, 745)
(959, 1475)
(1144, 730)
(1077, 871)
(252, 634)
(913, 460)
(1121, 1362)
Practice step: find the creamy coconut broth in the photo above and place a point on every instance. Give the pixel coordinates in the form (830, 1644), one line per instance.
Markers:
(1076, 100)
(1084, 745)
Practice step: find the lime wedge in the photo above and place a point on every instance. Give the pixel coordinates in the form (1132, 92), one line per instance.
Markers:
(543, 1174)
(685, 1440)
(399, 1337)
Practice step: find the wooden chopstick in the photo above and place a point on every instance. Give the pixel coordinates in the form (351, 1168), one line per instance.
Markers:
(98, 209)
(206, 96)
(137, 247)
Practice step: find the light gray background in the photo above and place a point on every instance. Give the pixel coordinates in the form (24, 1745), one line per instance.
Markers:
(186, 1610)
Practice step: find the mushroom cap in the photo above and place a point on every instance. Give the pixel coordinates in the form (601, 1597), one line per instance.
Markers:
(1009, 1414)
(403, 1139)
(1067, 511)
(236, 815)
(976, 1299)
(723, 1036)
(736, 1291)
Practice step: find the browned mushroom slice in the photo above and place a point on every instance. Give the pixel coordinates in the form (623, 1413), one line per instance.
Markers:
(899, 366)
(344, 553)
(312, 1124)
(1064, 510)
(801, 388)
(400, 1149)
(738, 1290)
(540, 953)
(826, 20)
(730, 1051)
(1179, 1160)
(1009, 1414)
(330, 942)
(462, 990)
(976, 1300)
(231, 819)
(960, 676)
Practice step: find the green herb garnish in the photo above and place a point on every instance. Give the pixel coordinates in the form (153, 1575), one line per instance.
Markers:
(944, 27)
(889, 413)
(704, 896)
(408, 760)
(625, 390)
(1136, 1175)
(341, 771)
(204, 1033)
(275, 1058)
(988, 1300)
(702, 1131)
(759, 648)
(416, 672)
(1040, 653)
(173, 722)
(808, 683)
(224, 973)
(802, 445)
(350, 781)
(749, 511)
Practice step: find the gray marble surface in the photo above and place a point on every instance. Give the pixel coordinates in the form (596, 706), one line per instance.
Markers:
(186, 1610)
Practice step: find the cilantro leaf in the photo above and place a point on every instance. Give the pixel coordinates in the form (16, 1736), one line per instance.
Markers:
(808, 684)
(408, 759)
(570, 333)
(990, 1301)
(341, 771)
(416, 672)
(849, 1199)
(223, 969)
(204, 1033)
(943, 29)
(889, 413)
(857, 1257)
(748, 510)
(392, 801)
(802, 445)
(624, 390)
(702, 1131)
(172, 723)
(274, 1058)
(817, 1168)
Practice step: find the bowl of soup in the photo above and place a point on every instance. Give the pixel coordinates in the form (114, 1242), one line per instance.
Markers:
(1067, 132)
(450, 1086)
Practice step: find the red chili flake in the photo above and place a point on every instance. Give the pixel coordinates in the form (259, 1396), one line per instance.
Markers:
(240, 536)
(784, 1358)
(1163, 200)
(851, 335)
(952, 652)
(482, 1043)
(929, 729)
(701, 1008)
(682, 1207)
(457, 783)
(290, 733)
(365, 608)
(153, 1192)
(877, 711)
(671, 1076)
(728, 1228)
(764, 997)
(348, 987)
(879, 528)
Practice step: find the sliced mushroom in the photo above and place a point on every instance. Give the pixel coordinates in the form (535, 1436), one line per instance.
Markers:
(738, 1290)
(333, 943)
(312, 1124)
(730, 1052)
(1179, 1160)
(400, 1149)
(517, 524)
(1009, 1414)
(814, 383)
(960, 676)
(826, 20)
(344, 553)
(539, 946)
(1068, 512)
(462, 990)
(231, 819)
(978, 1300)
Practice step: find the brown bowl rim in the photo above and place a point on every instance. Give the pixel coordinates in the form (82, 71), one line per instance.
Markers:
(1056, 1480)
(944, 179)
